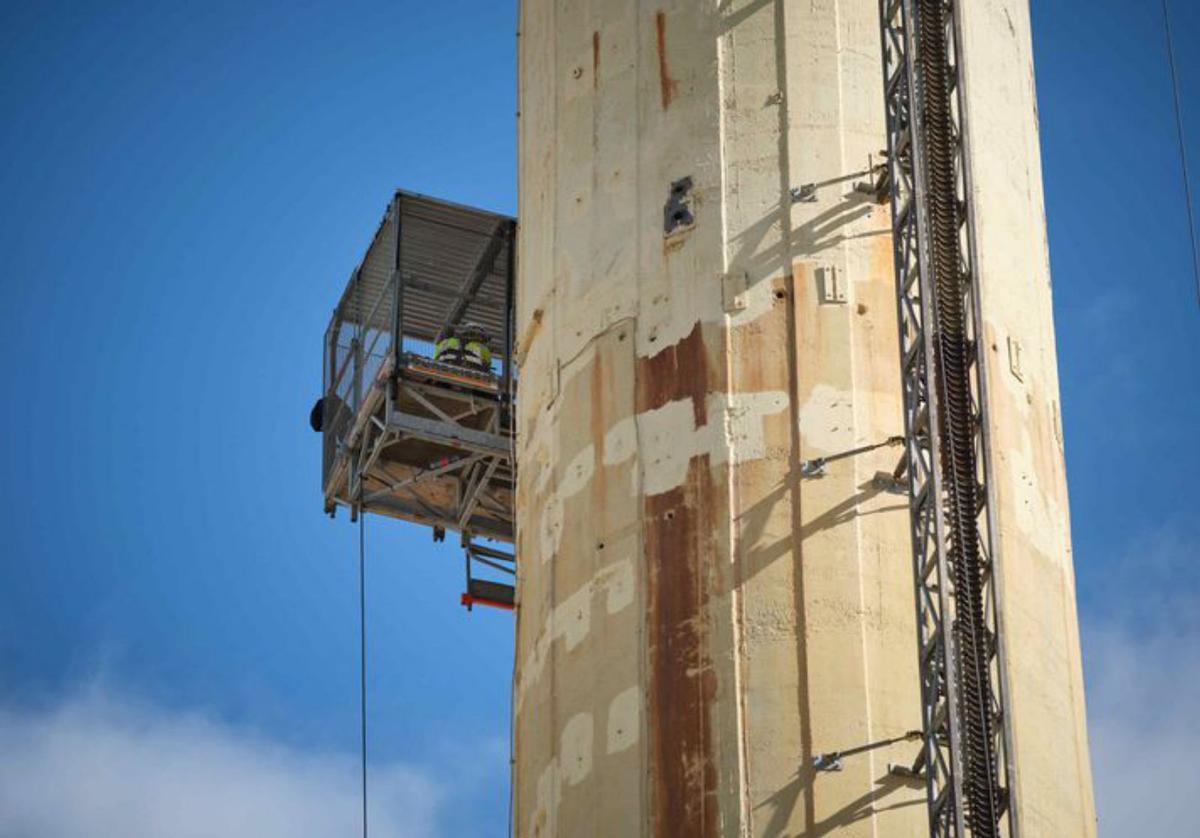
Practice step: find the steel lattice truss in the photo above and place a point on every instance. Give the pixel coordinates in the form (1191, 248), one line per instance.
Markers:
(938, 604)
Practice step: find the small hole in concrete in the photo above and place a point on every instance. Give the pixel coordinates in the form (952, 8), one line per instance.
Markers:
(621, 336)
(670, 516)
(780, 294)
(600, 545)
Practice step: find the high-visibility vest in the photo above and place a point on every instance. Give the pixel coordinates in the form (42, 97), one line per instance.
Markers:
(451, 347)
(479, 353)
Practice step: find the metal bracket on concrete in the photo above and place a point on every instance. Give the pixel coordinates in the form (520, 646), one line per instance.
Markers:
(832, 760)
(1014, 359)
(832, 286)
(816, 466)
(804, 194)
(677, 213)
(885, 481)
(813, 468)
(878, 189)
(828, 762)
(893, 482)
(916, 771)
(906, 771)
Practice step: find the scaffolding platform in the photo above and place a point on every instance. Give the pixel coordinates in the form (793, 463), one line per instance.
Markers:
(408, 436)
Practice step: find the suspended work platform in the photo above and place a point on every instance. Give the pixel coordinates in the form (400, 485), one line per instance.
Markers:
(413, 436)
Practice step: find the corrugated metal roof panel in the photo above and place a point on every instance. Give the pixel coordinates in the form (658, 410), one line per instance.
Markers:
(454, 263)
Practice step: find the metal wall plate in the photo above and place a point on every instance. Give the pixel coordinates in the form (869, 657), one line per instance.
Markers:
(831, 285)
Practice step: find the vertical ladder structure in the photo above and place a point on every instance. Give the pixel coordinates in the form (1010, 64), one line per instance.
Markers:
(966, 753)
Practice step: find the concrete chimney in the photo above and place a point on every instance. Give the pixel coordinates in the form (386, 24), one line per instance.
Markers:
(707, 305)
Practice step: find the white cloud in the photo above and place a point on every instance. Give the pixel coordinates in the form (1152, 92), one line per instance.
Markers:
(105, 766)
(102, 766)
(1142, 660)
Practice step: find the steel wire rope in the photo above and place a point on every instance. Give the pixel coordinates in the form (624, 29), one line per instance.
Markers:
(362, 652)
(1183, 161)
(512, 692)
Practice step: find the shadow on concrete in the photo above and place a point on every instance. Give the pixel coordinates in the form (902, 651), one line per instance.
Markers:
(783, 803)
(753, 521)
(817, 235)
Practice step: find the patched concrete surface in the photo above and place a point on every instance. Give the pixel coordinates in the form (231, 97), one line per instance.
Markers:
(695, 620)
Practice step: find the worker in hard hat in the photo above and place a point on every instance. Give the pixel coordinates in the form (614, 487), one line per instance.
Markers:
(475, 350)
(448, 347)
(466, 345)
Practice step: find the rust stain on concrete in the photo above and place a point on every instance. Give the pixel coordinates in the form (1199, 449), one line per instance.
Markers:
(679, 527)
(525, 340)
(674, 242)
(877, 309)
(677, 372)
(599, 394)
(666, 84)
(810, 337)
(595, 60)
(759, 370)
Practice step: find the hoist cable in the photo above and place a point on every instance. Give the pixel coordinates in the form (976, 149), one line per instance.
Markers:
(1183, 162)
(512, 709)
(363, 660)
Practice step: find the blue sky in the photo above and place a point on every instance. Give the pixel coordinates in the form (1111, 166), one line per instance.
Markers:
(186, 186)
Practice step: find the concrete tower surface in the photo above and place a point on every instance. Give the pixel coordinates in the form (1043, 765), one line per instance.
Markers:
(698, 618)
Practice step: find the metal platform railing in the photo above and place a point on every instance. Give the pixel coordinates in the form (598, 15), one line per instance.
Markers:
(403, 434)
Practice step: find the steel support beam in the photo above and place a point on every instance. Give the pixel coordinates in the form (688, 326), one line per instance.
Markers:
(473, 491)
(398, 296)
(422, 476)
(454, 436)
(509, 303)
(958, 805)
(471, 285)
